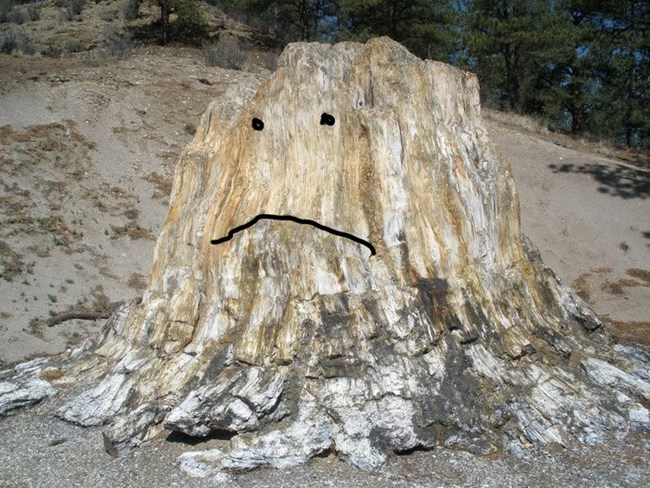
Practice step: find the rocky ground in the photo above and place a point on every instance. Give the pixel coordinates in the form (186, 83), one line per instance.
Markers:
(88, 148)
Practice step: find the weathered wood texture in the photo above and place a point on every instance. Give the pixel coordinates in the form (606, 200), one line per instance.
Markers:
(299, 341)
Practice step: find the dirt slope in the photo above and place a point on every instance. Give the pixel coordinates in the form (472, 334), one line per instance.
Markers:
(590, 218)
(87, 155)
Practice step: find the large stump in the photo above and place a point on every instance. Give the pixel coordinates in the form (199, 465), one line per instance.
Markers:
(342, 269)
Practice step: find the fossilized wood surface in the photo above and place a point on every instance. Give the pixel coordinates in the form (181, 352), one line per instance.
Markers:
(299, 341)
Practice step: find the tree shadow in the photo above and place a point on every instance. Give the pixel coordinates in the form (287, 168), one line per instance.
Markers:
(618, 181)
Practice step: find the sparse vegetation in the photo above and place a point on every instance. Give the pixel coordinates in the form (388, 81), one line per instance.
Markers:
(5, 9)
(225, 53)
(616, 287)
(11, 263)
(70, 46)
(52, 50)
(581, 286)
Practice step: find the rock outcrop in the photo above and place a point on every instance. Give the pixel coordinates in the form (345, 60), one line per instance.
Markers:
(342, 269)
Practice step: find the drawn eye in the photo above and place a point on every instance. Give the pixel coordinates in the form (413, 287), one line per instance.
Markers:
(257, 124)
(327, 119)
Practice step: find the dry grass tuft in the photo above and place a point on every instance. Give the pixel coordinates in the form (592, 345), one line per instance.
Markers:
(525, 122)
(603, 270)
(162, 184)
(616, 287)
(137, 281)
(581, 287)
(641, 274)
(132, 230)
(634, 333)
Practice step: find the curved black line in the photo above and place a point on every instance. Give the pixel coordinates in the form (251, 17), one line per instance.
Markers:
(298, 221)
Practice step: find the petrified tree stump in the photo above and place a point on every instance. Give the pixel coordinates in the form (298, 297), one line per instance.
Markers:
(342, 269)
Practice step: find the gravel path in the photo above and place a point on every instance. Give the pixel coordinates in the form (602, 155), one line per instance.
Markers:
(38, 450)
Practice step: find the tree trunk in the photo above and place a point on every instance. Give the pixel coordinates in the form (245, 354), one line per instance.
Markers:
(392, 304)
(165, 12)
(577, 109)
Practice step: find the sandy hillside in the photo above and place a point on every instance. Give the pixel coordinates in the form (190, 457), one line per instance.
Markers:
(87, 151)
(589, 215)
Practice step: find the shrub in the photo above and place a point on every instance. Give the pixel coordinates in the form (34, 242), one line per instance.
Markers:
(190, 25)
(225, 53)
(52, 50)
(131, 9)
(17, 15)
(5, 8)
(70, 46)
(118, 45)
(33, 12)
(14, 40)
(73, 8)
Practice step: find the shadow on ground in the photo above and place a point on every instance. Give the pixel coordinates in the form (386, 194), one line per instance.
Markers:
(618, 181)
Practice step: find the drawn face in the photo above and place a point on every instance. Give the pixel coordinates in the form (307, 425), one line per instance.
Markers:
(352, 142)
(258, 125)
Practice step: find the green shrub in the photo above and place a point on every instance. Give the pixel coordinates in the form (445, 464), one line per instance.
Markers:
(5, 8)
(190, 25)
(18, 15)
(131, 9)
(33, 12)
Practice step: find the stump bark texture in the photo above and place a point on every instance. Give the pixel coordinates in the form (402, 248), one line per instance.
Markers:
(289, 334)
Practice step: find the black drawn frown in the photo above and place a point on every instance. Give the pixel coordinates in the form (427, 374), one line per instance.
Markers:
(258, 125)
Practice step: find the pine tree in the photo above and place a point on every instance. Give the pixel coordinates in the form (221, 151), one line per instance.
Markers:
(622, 105)
(425, 27)
(569, 77)
(506, 41)
(289, 20)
